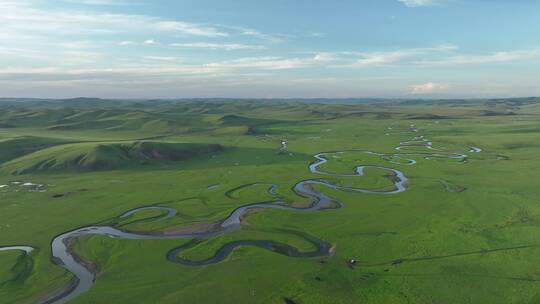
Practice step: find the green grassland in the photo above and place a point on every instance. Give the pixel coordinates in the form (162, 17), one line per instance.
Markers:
(463, 232)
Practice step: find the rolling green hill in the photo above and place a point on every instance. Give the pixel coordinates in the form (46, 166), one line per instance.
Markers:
(105, 156)
(19, 146)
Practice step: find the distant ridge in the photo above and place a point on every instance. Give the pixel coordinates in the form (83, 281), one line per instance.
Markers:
(107, 102)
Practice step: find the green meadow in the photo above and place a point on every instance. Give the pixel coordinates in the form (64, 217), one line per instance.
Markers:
(465, 231)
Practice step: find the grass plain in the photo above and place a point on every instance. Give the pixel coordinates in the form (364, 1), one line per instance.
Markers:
(463, 232)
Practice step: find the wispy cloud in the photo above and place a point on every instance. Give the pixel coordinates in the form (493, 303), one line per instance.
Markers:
(273, 38)
(86, 45)
(417, 3)
(399, 56)
(236, 66)
(53, 38)
(218, 46)
(98, 2)
(274, 63)
(163, 58)
(17, 15)
(431, 56)
(497, 57)
(64, 56)
(189, 28)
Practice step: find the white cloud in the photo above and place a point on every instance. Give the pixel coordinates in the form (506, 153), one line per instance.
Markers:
(163, 67)
(438, 55)
(150, 42)
(163, 58)
(54, 40)
(417, 3)
(97, 2)
(324, 57)
(63, 56)
(218, 46)
(189, 28)
(428, 88)
(17, 15)
(382, 58)
(274, 63)
(399, 56)
(504, 56)
(129, 71)
(259, 35)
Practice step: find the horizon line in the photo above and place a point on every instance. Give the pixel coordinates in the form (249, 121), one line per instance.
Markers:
(273, 98)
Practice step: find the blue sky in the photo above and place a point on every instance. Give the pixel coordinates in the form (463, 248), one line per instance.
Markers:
(278, 48)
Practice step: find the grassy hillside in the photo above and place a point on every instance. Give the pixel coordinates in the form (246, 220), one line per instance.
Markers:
(105, 156)
(19, 146)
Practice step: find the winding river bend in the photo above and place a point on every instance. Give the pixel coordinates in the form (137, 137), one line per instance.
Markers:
(83, 278)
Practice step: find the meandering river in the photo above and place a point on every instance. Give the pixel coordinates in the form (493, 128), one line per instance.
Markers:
(83, 278)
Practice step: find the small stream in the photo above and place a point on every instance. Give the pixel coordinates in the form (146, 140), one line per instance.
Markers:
(25, 249)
